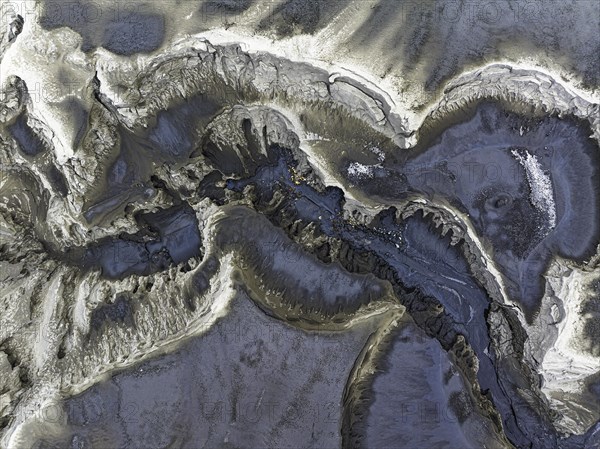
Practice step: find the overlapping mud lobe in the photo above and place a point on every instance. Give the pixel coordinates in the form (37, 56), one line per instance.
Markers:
(242, 161)
(434, 307)
(519, 178)
(439, 181)
(503, 320)
(355, 254)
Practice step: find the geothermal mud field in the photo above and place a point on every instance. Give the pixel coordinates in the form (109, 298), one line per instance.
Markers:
(300, 224)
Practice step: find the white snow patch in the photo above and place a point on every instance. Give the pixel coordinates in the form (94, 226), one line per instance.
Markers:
(358, 170)
(542, 195)
(379, 153)
(315, 136)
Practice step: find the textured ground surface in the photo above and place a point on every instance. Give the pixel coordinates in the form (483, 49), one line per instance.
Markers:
(300, 223)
